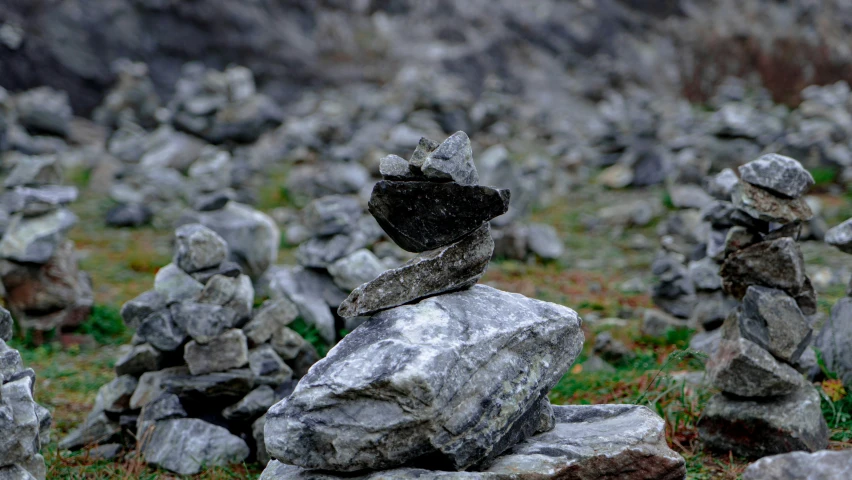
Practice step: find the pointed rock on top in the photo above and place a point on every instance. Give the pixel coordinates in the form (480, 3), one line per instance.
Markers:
(840, 236)
(424, 148)
(394, 167)
(779, 174)
(452, 161)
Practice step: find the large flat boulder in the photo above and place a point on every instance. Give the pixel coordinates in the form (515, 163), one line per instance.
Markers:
(454, 380)
(589, 441)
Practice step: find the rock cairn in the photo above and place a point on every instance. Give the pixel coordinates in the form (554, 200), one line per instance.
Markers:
(44, 287)
(833, 340)
(449, 379)
(25, 424)
(203, 366)
(766, 407)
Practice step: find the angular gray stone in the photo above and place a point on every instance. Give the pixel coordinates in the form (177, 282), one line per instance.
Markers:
(394, 167)
(203, 321)
(454, 267)
(234, 293)
(274, 314)
(424, 147)
(253, 405)
(226, 268)
(764, 205)
(779, 174)
(10, 360)
(688, 196)
(134, 311)
(264, 361)
(738, 238)
(452, 161)
(164, 407)
(704, 274)
(257, 434)
(544, 241)
(822, 465)
(225, 352)
(198, 248)
(175, 284)
(359, 267)
(39, 200)
(321, 252)
(45, 109)
(706, 342)
(722, 184)
(771, 319)
(160, 330)
(212, 388)
(756, 428)
(434, 377)
(150, 385)
(140, 359)
(6, 325)
(184, 445)
(656, 323)
(18, 421)
(313, 292)
(775, 264)
(96, 429)
(17, 472)
(34, 171)
(840, 236)
(287, 343)
(35, 239)
(252, 236)
(742, 368)
(114, 397)
(588, 442)
(422, 216)
(834, 339)
(332, 214)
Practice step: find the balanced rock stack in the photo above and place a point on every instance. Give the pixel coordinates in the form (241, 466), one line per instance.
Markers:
(449, 379)
(25, 424)
(834, 339)
(203, 367)
(766, 406)
(44, 287)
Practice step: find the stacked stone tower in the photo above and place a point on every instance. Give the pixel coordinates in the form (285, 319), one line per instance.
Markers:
(766, 406)
(447, 378)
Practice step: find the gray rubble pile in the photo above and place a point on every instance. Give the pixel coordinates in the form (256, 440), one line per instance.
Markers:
(43, 286)
(833, 340)
(203, 367)
(766, 406)
(25, 424)
(455, 375)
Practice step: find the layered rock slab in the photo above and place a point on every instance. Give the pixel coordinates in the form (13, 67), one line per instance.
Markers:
(421, 216)
(454, 267)
(588, 441)
(753, 427)
(455, 379)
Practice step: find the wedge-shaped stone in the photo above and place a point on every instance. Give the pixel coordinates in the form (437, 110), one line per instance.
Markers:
(776, 264)
(589, 441)
(35, 239)
(456, 266)
(779, 174)
(742, 368)
(422, 216)
(428, 380)
(184, 445)
(452, 161)
(758, 427)
(198, 248)
(764, 205)
(772, 319)
(840, 236)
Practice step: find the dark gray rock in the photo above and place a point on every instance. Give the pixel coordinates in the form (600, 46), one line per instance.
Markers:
(202, 321)
(742, 368)
(19, 421)
(272, 315)
(359, 267)
(257, 435)
(45, 110)
(134, 311)
(96, 429)
(704, 274)
(33, 201)
(656, 323)
(840, 236)
(10, 361)
(775, 264)
(779, 174)
(184, 445)
(217, 200)
(422, 216)
(332, 214)
(424, 147)
(198, 248)
(321, 252)
(6, 325)
(233, 293)
(456, 266)
(756, 428)
(765, 206)
(164, 407)
(771, 319)
(150, 385)
(444, 347)
(34, 171)
(822, 465)
(175, 284)
(587, 441)
(224, 352)
(452, 161)
(835, 337)
(287, 343)
(226, 268)
(160, 330)
(738, 238)
(394, 167)
(252, 406)
(706, 342)
(264, 361)
(611, 350)
(209, 389)
(35, 239)
(721, 185)
(544, 241)
(313, 292)
(140, 359)
(114, 397)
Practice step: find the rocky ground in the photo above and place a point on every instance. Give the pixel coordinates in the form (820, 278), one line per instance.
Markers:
(604, 275)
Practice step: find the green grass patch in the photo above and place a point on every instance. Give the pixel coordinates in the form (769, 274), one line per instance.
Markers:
(311, 334)
(106, 326)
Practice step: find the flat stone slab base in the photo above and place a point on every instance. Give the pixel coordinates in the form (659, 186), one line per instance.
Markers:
(589, 441)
